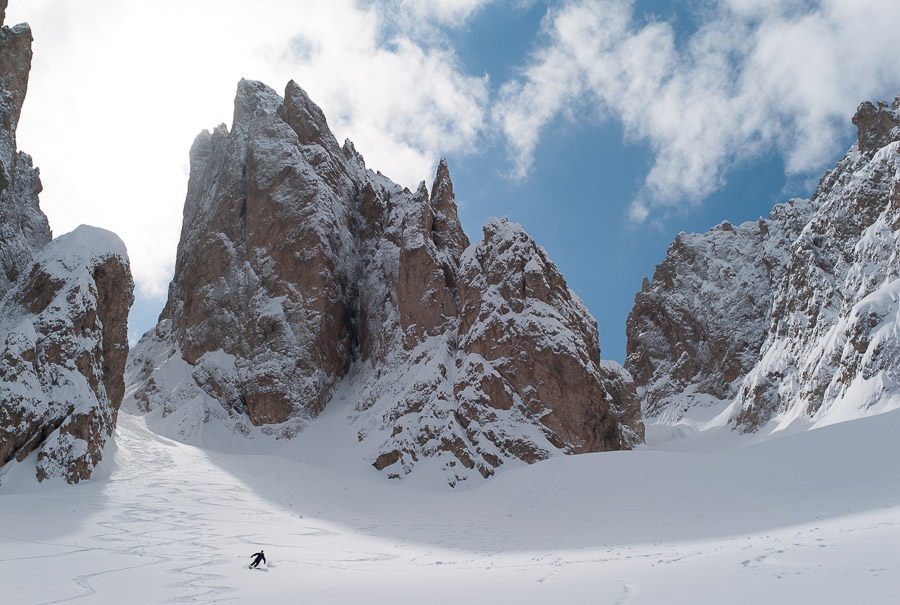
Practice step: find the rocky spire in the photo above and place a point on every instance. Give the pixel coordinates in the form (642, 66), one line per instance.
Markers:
(307, 119)
(24, 229)
(300, 270)
(447, 232)
(877, 126)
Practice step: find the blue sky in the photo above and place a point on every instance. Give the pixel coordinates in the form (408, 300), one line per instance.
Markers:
(605, 127)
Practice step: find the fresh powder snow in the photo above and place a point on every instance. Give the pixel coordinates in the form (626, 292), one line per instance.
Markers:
(699, 515)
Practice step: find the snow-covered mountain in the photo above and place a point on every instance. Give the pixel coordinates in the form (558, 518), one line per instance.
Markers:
(792, 317)
(304, 280)
(63, 309)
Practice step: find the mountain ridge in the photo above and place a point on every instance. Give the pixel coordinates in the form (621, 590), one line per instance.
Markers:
(802, 302)
(300, 270)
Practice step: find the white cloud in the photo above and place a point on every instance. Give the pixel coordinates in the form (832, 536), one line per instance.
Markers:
(754, 76)
(448, 12)
(119, 90)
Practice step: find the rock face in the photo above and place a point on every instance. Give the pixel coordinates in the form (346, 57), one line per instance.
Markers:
(792, 317)
(23, 227)
(63, 311)
(303, 277)
(696, 331)
(64, 332)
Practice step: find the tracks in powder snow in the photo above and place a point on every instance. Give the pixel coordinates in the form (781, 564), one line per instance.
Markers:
(177, 524)
(142, 524)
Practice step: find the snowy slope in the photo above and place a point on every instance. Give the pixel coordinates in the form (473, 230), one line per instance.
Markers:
(800, 519)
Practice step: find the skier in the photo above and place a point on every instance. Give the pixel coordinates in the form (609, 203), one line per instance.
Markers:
(260, 556)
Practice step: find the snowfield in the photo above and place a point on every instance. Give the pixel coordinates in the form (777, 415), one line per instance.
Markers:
(713, 517)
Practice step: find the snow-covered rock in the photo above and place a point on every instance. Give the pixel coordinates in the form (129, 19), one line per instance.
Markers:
(63, 309)
(831, 349)
(64, 332)
(302, 277)
(24, 229)
(793, 317)
(696, 330)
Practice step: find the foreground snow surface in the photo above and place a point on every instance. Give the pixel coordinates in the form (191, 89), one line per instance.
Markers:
(808, 518)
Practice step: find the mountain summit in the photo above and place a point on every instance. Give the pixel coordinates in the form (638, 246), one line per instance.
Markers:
(792, 317)
(305, 281)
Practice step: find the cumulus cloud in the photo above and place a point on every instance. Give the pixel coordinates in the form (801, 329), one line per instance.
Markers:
(119, 90)
(753, 76)
(448, 12)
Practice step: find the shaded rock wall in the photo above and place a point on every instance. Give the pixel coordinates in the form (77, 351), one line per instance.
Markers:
(697, 329)
(23, 227)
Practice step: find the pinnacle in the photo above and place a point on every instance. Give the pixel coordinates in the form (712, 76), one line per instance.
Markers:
(877, 126)
(306, 118)
(251, 97)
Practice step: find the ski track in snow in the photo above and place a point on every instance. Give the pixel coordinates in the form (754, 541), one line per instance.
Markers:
(177, 524)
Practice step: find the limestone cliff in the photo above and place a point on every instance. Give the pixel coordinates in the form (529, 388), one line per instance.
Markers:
(23, 227)
(301, 273)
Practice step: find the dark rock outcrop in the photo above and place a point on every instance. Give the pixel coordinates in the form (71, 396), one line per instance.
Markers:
(300, 270)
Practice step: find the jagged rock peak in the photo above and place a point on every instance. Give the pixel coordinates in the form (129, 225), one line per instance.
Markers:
(448, 232)
(549, 355)
(3, 5)
(252, 99)
(301, 276)
(877, 126)
(791, 319)
(306, 118)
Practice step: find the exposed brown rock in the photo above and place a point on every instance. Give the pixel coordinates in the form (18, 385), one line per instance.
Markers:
(431, 245)
(548, 358)
(61, 374)
(385, 460)
(876, 126)
(299, 269)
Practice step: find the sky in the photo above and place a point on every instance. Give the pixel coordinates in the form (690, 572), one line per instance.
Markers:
(605, 127)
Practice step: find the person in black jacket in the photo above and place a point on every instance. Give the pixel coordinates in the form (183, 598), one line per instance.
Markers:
(260, 556)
